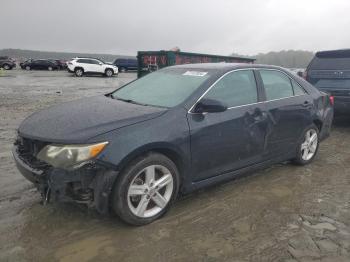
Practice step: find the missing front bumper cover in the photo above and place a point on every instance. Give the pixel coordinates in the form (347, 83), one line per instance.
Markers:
(90, 185)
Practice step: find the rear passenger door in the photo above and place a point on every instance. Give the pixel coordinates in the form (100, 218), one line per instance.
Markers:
(84, 63)
(288, 107)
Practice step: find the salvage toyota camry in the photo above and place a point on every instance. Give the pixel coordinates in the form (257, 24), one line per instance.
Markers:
(173, 131)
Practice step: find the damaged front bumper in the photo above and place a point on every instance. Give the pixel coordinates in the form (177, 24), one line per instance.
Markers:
(90, 184)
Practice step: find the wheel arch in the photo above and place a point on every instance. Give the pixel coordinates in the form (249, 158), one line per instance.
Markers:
(170, 151)
(79, 67)
(318, 123)
(108, 68)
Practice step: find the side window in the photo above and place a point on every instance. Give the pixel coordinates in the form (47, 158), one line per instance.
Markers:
(277, 85)
(298, 90)
(94, 62)
(235, 89)
(83, 61)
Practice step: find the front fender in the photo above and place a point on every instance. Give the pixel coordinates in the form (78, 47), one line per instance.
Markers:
(168, 133)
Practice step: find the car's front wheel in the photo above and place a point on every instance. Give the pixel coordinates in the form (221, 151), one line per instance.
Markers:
(50, 68)
(109, 72)
(27, 68)
(145, 189)
(307, 146)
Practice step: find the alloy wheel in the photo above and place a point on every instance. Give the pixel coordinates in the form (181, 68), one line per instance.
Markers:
(309, 146)
(6, 67)
(150, 191)
(109, 73)
(79, 72)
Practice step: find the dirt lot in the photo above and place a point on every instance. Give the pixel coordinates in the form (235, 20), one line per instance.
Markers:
(284, 213)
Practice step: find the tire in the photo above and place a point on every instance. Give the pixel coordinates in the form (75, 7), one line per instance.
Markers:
(307, 147)
(27, 68)
(79, 72)
(128, 206)
(123, 69)
(50, 68)
(109, 72)
(6, 67)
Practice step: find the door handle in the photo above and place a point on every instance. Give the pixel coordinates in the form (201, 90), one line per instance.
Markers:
(258, 115)
(261, 117)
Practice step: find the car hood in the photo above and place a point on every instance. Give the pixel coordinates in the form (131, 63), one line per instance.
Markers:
(77, 121)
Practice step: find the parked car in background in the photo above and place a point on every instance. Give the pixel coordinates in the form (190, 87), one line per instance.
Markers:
(7, 63)
(40, 64)
(179, 129)
(83, 66)
(125, 65)
(62, 64)
(329, 71)
(297, 71)
(25, 61)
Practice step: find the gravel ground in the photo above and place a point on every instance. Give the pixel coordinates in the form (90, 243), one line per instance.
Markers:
(284, 213)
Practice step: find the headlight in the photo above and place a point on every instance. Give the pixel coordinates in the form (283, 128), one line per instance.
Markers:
(69, 156)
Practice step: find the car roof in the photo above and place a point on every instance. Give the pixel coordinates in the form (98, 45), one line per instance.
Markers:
(86, 58)
(340, 53)
(225, 66)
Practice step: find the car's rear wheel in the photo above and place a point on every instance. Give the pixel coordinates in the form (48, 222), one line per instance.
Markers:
(145, 189)
(6, 67)
(307, 146)
(122, 69)
(109, 72)
(79, 72)
(50, 68)
(27, 68)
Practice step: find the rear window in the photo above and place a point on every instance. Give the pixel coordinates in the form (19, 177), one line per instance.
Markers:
(330, 62)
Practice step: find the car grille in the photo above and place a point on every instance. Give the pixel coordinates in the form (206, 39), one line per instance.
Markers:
(28, 149)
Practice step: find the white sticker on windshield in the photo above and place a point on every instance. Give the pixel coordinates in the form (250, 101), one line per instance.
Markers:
(195, 73)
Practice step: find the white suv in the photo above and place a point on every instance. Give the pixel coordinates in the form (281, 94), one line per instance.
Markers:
(80, 66)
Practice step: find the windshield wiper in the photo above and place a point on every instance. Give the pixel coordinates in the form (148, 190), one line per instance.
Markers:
(134, 102)
(129, 101)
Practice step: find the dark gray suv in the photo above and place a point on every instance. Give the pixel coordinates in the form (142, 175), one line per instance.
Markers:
(329, 71)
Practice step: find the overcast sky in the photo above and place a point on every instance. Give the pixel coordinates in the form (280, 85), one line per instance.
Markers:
(216, 26)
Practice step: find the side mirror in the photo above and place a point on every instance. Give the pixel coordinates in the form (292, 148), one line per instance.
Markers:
(100, 63)
(209, 106)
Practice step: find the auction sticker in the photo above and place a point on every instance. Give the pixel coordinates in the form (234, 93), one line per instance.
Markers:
(195, 73)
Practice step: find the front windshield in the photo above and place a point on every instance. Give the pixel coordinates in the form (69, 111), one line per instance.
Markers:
(164, 88)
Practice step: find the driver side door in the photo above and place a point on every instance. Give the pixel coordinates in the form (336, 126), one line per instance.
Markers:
(96, 66)
(233, 139)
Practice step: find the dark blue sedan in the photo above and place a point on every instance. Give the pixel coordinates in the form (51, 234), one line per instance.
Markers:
(176, 130)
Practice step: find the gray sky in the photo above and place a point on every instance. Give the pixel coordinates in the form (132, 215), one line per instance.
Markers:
(216, 26)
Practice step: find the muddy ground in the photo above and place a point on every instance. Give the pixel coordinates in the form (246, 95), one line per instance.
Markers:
(284, 213)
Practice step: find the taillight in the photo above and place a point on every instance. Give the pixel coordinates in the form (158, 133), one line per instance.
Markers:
(331, 100)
